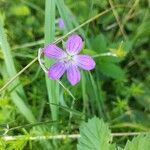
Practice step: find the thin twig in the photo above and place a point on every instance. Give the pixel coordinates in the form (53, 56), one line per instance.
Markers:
(43, 67)
(68, 91)
(19, 73)
(105, 54)
(117, 19)
(129, 14)
(63, 136)
(128, 134)
(27, 45)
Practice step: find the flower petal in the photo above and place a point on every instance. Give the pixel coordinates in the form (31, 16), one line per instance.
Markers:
(61, 23)
(74, 44)
(53, 51)
(85, 62)
(56, 71)
(73, 74)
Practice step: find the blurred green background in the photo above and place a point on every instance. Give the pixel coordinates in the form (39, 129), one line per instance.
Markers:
(117, 90)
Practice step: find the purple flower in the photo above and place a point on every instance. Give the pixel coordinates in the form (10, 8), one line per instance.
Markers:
(61, 23)
(68, 61)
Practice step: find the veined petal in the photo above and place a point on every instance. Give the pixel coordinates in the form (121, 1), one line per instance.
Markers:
(85, 62)
(74, 44)
(53, 51)
(73, 74)
(56, 70)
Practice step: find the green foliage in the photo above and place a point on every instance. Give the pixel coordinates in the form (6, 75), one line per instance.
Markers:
(64, 15)
(117, 90)
(139, 143)
(102, 46)
(52, 86)
(95, 135)
(112, 70)
(20, 10)
(18, 94)
(143, 30)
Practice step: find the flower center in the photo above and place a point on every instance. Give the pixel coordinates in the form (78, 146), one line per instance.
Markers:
(68, 58)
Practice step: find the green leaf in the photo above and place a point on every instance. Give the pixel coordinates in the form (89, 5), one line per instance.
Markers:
(52, 86)
(144, 98)
(17, 95)
(112, 70)
(96, 96)
(20, 10)
(95, 135)
(78, 113)
(143, 30)
(89, 52)
(119, 148)
(99, 43)
(141, 142)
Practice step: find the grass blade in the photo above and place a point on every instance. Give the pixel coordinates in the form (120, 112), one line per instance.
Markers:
(52, 86)
(96, 96)
(17, 94)
(64, 15)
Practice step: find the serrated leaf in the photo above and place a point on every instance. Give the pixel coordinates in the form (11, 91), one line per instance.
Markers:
(141, 142)
(112, 70)
(119, 148)
(95, 135)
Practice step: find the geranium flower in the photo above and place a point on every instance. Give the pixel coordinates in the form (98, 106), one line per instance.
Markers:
(61, 23)
(68, 61)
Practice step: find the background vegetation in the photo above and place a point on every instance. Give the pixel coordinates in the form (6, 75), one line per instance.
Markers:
(117, 91)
